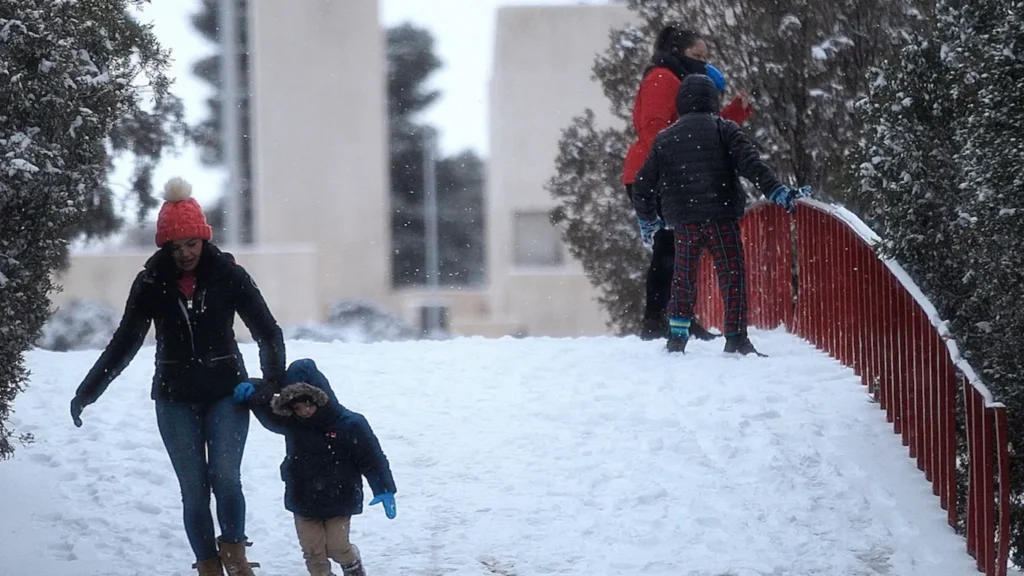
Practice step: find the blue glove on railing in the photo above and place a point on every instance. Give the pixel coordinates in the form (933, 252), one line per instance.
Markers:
(648, 228)
(783, 196)
(388, 499)
(242, 392)
(804, 192)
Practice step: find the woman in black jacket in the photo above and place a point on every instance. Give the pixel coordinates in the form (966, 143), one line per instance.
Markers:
(191, 291)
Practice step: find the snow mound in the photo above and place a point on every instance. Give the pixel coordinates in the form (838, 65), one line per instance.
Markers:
(354, 321)
(79, 325)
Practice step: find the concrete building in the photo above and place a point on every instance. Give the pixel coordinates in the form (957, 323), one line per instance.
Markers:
(319, 105)
(542, 78)
(316, 76)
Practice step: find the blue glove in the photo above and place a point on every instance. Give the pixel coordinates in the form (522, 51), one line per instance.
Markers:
(804, 192)
(717, 77)
(648, 228)
(783, 196)
(389, 504)
(242, 392)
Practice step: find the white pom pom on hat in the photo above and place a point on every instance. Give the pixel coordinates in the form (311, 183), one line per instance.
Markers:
(177, 189)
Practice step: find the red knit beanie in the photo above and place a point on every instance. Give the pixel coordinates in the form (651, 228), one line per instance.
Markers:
(181, 217)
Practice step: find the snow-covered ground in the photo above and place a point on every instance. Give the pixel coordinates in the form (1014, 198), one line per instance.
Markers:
(525, 457)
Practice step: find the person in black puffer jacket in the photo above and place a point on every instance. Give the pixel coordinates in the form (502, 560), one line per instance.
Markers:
(693, 169)
(328, 451)
(191, 291)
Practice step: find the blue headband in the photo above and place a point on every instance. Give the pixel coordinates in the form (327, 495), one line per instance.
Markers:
(717, 77)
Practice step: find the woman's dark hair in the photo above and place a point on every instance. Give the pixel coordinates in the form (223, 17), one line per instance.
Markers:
(676, 40)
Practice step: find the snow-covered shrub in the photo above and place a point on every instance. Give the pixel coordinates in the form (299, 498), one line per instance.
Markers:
(79, 325)
(355, 321)
(73, 79)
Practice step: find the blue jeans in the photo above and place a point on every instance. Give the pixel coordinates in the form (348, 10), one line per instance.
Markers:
(205, 443)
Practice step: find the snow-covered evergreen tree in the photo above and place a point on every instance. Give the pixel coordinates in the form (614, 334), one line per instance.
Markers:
(71, 74)
(906, 172)
(598, 225)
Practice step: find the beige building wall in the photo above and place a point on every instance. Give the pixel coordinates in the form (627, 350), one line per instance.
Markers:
(319, 114)
(542, 78)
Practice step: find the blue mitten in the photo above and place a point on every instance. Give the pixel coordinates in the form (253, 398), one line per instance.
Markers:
(648, 228)
(388, 499)
(242, 392)
(783, 196)
(717, 77)
(804, 192)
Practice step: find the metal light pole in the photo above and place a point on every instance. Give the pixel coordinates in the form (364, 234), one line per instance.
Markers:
(432, 266)
(229, 121)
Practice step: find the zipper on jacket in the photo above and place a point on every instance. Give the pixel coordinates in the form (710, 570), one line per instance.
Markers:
(188, 322)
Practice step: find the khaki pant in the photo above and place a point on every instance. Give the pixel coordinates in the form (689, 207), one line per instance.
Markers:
(323, 538)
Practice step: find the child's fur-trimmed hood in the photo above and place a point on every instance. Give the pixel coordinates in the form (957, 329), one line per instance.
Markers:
(280, 403)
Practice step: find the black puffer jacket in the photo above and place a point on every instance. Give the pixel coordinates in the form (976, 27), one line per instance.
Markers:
(197, 357)
(695, 164)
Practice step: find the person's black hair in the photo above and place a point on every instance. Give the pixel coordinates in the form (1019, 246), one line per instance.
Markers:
(676, 40)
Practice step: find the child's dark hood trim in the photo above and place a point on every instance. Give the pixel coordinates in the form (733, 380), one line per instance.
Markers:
(698, 95)
(304, 372)
(281, 403)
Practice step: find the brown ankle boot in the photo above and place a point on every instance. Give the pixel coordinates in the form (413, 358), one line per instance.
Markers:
(233, 557)
(210, 567)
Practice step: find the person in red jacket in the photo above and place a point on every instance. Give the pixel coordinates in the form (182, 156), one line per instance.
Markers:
(677, 53)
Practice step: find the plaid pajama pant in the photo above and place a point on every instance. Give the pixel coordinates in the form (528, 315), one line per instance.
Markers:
(722, 238)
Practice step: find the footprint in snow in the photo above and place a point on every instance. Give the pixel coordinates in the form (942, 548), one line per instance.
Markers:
(62, 550)
(44, 459)
(148, 508)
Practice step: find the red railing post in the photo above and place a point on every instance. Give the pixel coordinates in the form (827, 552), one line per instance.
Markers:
(846, 291)
(949, 439)
(973, 481)
(1003, 443)
(784, 249)
(841, 288)
(859, 316)
(873, 312)
(812, 244)
(829, 327)
(908, 380)
(877, 296)
(930, 351)
(892, 356)
(922, 437)
(988, 473)
(760, 319)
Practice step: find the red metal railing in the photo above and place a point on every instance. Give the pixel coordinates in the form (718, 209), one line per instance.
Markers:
(868, 314)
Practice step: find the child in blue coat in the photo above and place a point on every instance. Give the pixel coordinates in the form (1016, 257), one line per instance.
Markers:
(329, 449)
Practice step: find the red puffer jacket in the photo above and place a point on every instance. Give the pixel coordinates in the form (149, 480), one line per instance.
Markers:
(655, 109)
